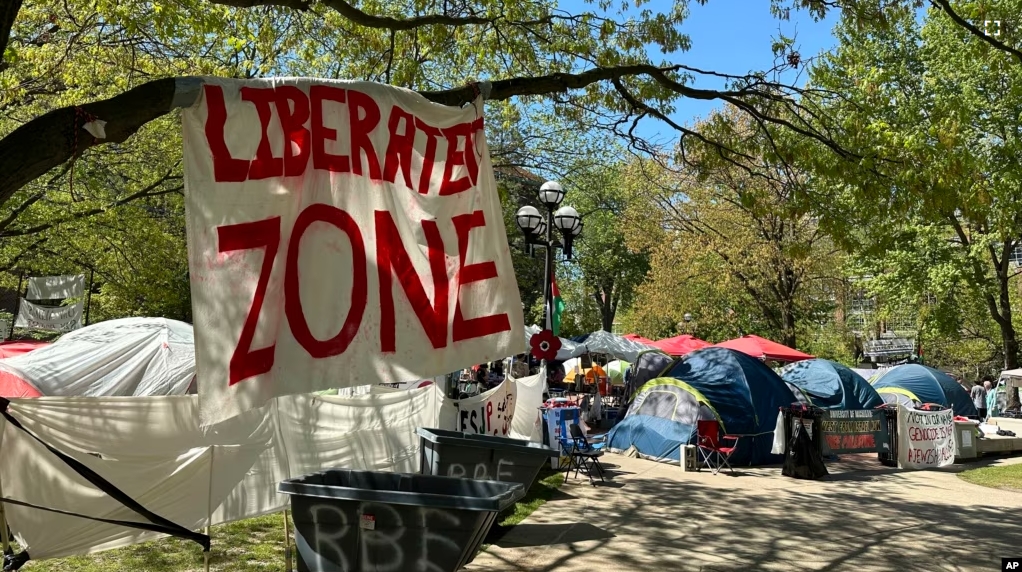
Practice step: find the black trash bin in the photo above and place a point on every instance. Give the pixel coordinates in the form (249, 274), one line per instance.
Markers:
(361, 521)
(481, 457)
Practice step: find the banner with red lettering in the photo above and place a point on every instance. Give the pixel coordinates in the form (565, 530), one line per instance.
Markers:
(926, 439)
(339, 234)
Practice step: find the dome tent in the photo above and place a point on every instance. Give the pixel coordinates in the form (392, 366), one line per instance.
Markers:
(830, 385)
(125, 357)
(738, 390)
(924, 384)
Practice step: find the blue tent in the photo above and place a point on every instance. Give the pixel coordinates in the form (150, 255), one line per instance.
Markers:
(831, 385)
(924, 384)
(737, 390)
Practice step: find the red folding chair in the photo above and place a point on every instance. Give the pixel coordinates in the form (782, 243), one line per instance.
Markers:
(715, 457)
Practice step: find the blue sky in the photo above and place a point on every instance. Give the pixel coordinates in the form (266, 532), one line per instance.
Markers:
(731, 36)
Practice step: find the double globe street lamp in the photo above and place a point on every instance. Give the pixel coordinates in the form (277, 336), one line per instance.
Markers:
(539, 231)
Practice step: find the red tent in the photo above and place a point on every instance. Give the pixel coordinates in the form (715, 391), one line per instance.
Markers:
(762, 348)
(638, 338)
(13, 387)
(11, 349)
(680, 345)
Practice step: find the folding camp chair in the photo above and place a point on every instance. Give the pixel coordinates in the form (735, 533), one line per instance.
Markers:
(715, 457)
(583, 455)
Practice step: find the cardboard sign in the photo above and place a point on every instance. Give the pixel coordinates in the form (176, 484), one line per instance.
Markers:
(339, 234)
(926, 439)
(854, 431)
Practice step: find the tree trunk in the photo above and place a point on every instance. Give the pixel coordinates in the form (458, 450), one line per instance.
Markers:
(788, 324)
(604, 297)
(1008, 337)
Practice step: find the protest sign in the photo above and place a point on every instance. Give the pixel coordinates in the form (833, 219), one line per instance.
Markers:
(926, 439)
(489, 413)
(339, 233)
(854, 431)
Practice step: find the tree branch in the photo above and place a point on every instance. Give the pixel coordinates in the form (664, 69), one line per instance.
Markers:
(142, 194)
(49, 140)
(945, 6)
(8, 14)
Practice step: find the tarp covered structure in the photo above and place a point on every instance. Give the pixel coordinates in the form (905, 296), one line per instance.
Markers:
(763, 348)
(153, 449)
(680, 345)
(830, 385)
(615, 346)
(923, 384)
(127, 357)
(742, 392)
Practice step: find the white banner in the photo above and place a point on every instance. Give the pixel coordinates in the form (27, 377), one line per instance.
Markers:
(50, 319)
(55, 287)
(340, 233)
(926, 439)
(489, 413)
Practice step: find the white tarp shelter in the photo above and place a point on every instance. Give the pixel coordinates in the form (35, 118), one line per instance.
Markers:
(569, 349)
(128, 357)
(604, 342)
(153, 449)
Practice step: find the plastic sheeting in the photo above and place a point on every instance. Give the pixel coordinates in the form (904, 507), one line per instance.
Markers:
(128, 357)
(527, 422)
(153, 449)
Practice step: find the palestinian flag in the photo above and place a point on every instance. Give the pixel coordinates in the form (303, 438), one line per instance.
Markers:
(558, 307)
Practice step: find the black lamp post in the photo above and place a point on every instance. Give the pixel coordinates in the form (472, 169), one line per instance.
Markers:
(539, 231)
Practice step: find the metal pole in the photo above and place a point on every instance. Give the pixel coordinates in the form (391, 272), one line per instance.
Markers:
(548, 273)
(88, 299)
(287, 544)
(17, 305)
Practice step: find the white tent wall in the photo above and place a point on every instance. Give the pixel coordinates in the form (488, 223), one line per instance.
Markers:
(527, 423)
(153, 449)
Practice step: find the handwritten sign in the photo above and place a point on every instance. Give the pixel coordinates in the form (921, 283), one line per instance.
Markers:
(339, 234)
(854, 431)
(926, 439)
(489, 413)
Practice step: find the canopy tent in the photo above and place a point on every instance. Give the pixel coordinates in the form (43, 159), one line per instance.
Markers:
(922, 384)
(638, 338)
(681, 345)
(830, 385)
(13, 349)
(590, 374)
(743, 394)
(616, 371)
(763, 348)
(128, 357)
(615, 346)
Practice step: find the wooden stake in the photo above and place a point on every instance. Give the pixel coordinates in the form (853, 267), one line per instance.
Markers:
(287, 544)
(206, 554)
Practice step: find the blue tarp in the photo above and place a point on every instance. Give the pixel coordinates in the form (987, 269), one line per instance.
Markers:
(830, 385)
(928, 385)
(744, 394)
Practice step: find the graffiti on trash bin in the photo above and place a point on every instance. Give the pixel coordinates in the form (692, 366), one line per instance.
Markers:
(387, 547)
(481, 471)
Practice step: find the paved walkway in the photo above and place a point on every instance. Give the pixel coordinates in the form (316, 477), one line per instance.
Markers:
(864, 517)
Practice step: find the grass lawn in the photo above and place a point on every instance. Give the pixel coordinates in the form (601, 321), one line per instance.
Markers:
(1003, 477)
(251, 545)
